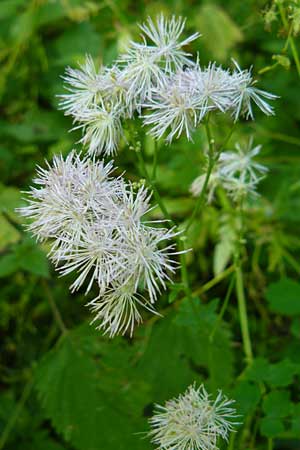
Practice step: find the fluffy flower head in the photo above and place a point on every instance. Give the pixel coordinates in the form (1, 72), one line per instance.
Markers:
(192, 421)
(95, 225)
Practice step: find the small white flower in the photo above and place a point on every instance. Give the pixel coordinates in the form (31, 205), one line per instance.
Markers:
(173, 108)
(149, 262)
(65, 194)
(84, 86)
(117, 310)
(115, 89)
(245, 93)
(212, 86)
(141, 72)
(102, 128)
(240, 163)
(165, 35)
(192, 421)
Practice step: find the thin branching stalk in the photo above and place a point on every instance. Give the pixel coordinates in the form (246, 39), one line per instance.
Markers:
(211, 161)
(291, 41)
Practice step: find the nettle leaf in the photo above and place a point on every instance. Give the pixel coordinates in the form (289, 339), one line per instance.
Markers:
(284, 297)
(90, 403)
(179, 351)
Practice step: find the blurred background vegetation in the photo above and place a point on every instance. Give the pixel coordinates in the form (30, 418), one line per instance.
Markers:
(63, 385)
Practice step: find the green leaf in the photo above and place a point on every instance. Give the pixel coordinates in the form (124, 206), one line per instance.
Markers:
(296, 419)
(277, 404)
(186, 352)
(282, 373)
(276, 375)
(8, 265)
(31, 258)
(90, 403)
(8, 233)
(271, 427)
(247, 396)
(295, 327)
(175, 290)
(258, 370)
(284, 297)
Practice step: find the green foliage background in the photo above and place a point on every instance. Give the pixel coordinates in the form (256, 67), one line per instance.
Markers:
(63, 385)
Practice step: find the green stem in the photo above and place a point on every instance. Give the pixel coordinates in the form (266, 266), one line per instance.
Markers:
(14, 417)
(180, 242)
(211, 283)
(290, 39)
(270, 444)
(243, 313)
(55, 311)
(211, 162)
(154, 188)
(155, 161)
(223, 309)
(231, 441)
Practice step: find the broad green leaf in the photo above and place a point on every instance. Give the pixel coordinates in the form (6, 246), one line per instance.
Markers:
(90, 403)
(179, 351)
(284, 297)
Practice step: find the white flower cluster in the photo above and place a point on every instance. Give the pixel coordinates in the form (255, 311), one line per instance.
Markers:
(192, 421)
(95, 225)
(236, 171)
(158, 76)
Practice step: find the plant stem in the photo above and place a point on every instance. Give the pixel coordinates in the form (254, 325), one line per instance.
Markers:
(223, 309)
(180, 241)
(211, 283)
(154, 188)
(243, 313)
(270, 444)
(290, 38)
(231, 441)
(211, 162)
(155, 161)
(14, 417)
(55, 311)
